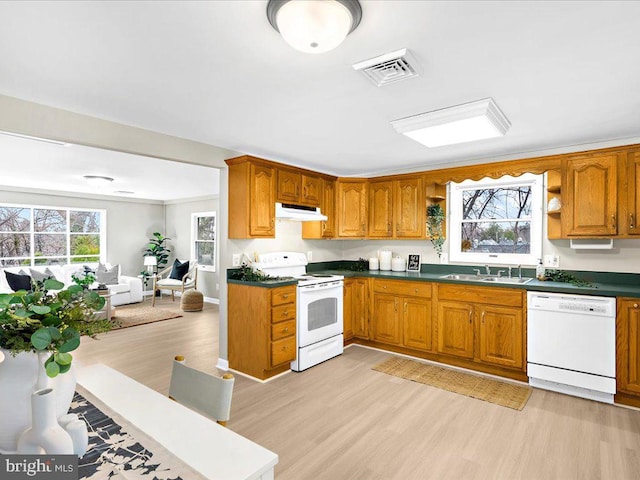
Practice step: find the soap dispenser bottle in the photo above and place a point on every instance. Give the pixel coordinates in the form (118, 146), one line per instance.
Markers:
(540, 273)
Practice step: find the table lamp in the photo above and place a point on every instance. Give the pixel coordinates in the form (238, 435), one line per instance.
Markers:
(150, 262)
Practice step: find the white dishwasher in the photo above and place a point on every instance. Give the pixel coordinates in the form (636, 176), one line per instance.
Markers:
(571, 344)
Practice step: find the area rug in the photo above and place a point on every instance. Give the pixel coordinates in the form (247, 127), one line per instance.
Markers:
(130, 316)
(483, 388)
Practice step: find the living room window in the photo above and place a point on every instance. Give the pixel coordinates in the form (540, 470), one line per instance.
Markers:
(31, 235)
(497, 221)
(203, 239)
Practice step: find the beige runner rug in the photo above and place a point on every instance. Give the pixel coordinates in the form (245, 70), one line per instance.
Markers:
(130, 316)
(501, 393)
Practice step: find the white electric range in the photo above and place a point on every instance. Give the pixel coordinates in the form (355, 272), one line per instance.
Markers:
(319, 328)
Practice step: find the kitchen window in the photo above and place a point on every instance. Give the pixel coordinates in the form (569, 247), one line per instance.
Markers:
(203, 239)
(31, 235)
(496, 221)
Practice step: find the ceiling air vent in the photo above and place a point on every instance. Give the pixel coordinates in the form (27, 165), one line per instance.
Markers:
(389, 68)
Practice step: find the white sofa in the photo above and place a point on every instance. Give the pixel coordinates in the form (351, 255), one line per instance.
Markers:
(128, 289)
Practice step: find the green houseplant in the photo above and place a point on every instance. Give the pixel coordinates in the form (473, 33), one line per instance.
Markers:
(50, 320)
(435, 220)
(156, 248)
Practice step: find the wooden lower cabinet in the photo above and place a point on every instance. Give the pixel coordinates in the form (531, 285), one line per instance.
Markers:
(262, 329)
(355, 308)
(386, 319)
(628, 351)
(501, 333)
(455, 329)
(417, 323)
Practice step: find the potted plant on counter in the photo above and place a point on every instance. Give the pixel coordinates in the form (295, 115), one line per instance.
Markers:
(38, 330)
(435, 220)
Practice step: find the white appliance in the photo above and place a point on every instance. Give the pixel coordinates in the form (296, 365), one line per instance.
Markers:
(571, 344)
(319, 329)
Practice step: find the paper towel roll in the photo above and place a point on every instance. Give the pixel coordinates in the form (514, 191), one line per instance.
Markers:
(385, 259)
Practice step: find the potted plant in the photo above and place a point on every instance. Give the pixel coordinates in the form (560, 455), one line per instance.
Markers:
(435, 220)
(156, 248)
(38, 330)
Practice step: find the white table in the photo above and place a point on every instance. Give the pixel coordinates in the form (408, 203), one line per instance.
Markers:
(214, 451)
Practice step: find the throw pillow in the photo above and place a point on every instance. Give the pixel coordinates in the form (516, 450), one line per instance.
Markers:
(179, 270)
(41, 276)
(108, 276)
(18, 282)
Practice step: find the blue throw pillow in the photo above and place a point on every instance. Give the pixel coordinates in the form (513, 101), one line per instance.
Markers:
(179, 270)
(18, 282)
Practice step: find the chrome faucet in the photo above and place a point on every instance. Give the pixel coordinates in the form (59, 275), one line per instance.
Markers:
(500, 272)
(510, 267)
(477, 270)
(519, 271)
(487, 269)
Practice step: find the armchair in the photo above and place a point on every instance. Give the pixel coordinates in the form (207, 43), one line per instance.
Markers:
(189, 280)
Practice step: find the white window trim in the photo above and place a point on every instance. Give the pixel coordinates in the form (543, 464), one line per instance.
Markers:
(67, 232)
(455, 221)
(194, 237)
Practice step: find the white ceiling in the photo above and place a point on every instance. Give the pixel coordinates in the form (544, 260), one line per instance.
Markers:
(564, 74)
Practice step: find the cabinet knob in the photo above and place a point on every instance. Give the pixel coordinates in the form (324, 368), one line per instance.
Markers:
(482, 319)
(416, 290)
(613, 220)
(285, 347)
(286, 329)
(470, 315)
(384, 286)
(285, 313)
(632, 225)
(285, 296)
(635, 305)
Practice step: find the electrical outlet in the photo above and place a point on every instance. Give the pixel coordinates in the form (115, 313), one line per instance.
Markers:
(309, 256)
(235, 260)
(552, 261)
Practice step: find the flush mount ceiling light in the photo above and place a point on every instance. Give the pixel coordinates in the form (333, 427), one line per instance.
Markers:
(98, 180)
(314, 26)
(460, 124)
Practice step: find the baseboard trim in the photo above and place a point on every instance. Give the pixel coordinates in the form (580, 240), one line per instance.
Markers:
(212, 300)
(222, 364)
(266, 380)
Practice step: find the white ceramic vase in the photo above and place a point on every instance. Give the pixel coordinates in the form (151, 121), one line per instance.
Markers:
(18, 378)
(45, 435)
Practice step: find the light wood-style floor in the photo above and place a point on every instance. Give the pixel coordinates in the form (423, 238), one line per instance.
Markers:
(341, 420)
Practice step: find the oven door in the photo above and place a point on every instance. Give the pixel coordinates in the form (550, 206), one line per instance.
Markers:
(319, 312)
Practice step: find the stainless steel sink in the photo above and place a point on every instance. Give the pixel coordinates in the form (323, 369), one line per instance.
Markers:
(486, 278)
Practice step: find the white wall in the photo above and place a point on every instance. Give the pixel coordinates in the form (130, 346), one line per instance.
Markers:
(129, 223)
(178, 221)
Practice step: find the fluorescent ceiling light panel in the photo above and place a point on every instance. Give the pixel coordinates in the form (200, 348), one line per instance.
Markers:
(460, 124)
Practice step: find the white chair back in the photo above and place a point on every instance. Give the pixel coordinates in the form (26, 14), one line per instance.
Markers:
(207, 394)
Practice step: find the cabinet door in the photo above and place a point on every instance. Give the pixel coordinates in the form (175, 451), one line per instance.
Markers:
(348, 308)
(501, 336)
(591, 196)
(381, 209)
(262, 201)
(360, 308)
(416, 321)
(311, 191)
(409, 205)
(328, 208)
(628, 346)
(633, 193)
(288, 186)
(352, 209)
(455, 329)
(386, 319)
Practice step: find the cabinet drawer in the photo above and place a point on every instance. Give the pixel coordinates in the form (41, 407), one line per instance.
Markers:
(283, 329)
(283, 351)
(490, 295)
(283, 295)
(399, 287)
(283, 312)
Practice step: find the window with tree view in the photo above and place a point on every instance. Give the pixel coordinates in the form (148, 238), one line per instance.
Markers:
(203, 243)
(47, 236)
(497, 221)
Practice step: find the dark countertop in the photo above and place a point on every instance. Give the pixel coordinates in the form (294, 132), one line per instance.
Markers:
(614, 285)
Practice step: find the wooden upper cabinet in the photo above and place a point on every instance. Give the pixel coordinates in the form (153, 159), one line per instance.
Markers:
(298, 188)
(251, 198)
(325, 228)
(289, 186)
(409, 203)
(381, 209)
(262, 201)
(633, 193)
(590, 183)
(352, 208)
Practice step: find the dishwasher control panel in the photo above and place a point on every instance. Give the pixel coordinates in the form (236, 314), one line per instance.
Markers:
(578, 304)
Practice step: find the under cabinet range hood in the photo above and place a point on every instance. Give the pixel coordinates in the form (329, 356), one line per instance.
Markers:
(298, 213)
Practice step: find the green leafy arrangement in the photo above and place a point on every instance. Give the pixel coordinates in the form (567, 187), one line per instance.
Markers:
(156, 248)
(246, 274)
(435, 220)
(51, 321)
(84, 279)
(564, 277)
(359, 265)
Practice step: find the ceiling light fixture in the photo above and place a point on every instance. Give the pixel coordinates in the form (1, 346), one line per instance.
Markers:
(98, 181)
(460, 124)
(314, 26)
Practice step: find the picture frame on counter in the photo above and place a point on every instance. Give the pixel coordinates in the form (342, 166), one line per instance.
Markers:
(413, 262)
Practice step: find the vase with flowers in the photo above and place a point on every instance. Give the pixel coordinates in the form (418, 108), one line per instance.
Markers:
(83, 278)
(38, 330)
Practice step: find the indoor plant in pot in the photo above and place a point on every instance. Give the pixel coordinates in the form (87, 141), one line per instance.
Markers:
(435, 221)
(38, 329)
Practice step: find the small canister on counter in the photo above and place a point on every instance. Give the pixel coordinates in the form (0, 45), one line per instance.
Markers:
(373, 263)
